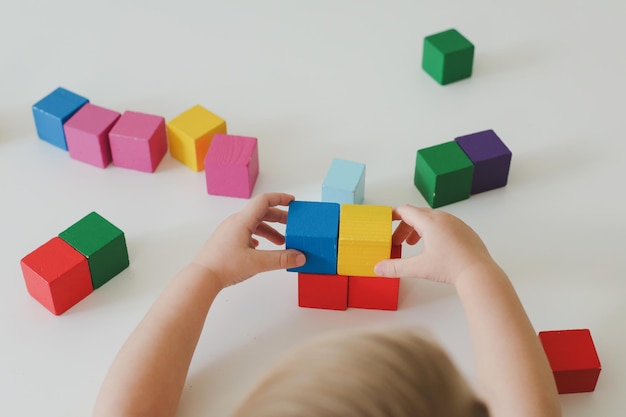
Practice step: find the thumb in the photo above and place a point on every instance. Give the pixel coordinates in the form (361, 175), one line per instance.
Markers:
(270, 260)
(401, 268)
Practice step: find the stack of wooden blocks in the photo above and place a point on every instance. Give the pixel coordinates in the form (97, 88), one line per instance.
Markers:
(342, 240)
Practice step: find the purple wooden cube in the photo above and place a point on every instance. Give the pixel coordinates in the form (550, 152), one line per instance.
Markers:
(491, 159)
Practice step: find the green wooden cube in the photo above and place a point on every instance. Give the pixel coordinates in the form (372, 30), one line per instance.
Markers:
(448, 56)
(443, 174)
(102, 243)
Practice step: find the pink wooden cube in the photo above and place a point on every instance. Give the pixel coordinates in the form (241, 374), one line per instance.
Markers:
(138, 141)
(232, 165)
(87, 134)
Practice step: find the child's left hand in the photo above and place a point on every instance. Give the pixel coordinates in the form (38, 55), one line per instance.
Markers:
(230, 253)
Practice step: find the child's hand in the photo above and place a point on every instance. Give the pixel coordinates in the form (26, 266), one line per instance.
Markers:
(230, 253)
(450, 246)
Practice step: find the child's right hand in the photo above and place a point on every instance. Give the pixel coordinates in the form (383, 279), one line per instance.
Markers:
(450, 247)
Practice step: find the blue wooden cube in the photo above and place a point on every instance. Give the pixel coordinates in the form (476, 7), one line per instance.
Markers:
(344, 182)
(52, 111)
(313, 229)
(491, 159)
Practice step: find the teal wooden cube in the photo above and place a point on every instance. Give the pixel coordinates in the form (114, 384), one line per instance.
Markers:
(443, 174)
(448, 56)
(102, 243)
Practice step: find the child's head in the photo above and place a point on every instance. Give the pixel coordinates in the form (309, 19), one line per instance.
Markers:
(394, 373)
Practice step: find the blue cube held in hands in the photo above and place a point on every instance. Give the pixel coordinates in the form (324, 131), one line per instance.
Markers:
(52, 111)
(313, 229)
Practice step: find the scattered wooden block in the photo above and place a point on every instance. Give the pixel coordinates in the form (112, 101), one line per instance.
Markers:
(344, 182)
(573, 359)
(443, 174)
(56, 275)
(190, 135)
(313, 228)
(87, 134)
(232, 165)
(102, 243)
(138, 141)
(491, 159)
(377, 293)
(323, 291)
(364, 238)
(448, 56)
(52, 111)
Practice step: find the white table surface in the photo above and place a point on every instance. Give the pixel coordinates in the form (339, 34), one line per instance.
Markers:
(313, 81)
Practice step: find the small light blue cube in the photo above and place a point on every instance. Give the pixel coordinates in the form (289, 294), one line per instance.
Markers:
(344, 182)
(313, 229)
(52, 111)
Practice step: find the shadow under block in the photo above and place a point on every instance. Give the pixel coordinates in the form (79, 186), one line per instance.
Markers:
(232, 165)
(344, 182)
(138, 141)
(573, 359)
(377, 293)
(491, 159)
(52, 111)
(448, 56)
(102, 243)
(56, 275)
(323, 291)
(443, 174)
(313, 229)
(87, 134)
(190, 134)
(364, 238)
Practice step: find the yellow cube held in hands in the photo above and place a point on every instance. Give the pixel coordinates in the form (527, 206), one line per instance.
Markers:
(190, 134)
(364, 238)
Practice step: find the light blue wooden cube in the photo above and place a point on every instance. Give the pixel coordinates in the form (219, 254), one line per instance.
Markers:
(344, 182)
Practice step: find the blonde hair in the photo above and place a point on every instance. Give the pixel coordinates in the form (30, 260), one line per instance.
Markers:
(393, 373)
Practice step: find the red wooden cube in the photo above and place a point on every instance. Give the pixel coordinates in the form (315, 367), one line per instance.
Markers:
(57, 275)
(323, 291)
(573, 359)
(378, 293)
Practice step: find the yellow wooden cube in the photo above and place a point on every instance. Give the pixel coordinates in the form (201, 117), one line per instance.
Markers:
(190, 134)
(364, 238)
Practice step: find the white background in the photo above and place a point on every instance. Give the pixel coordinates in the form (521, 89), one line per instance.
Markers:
(313, 81)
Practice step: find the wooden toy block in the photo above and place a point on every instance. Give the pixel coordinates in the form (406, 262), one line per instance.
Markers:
(323, 291)
(448, 56)
(491, 159)
(313, 229)
(232, 165)
(364, 238)
(102, 243)
(138, 141)
(190, 134)
(52, 111)
(87, 134)
(56, 275)
(377, 293)
(344, 182)
(443, 174)
(573, 359)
